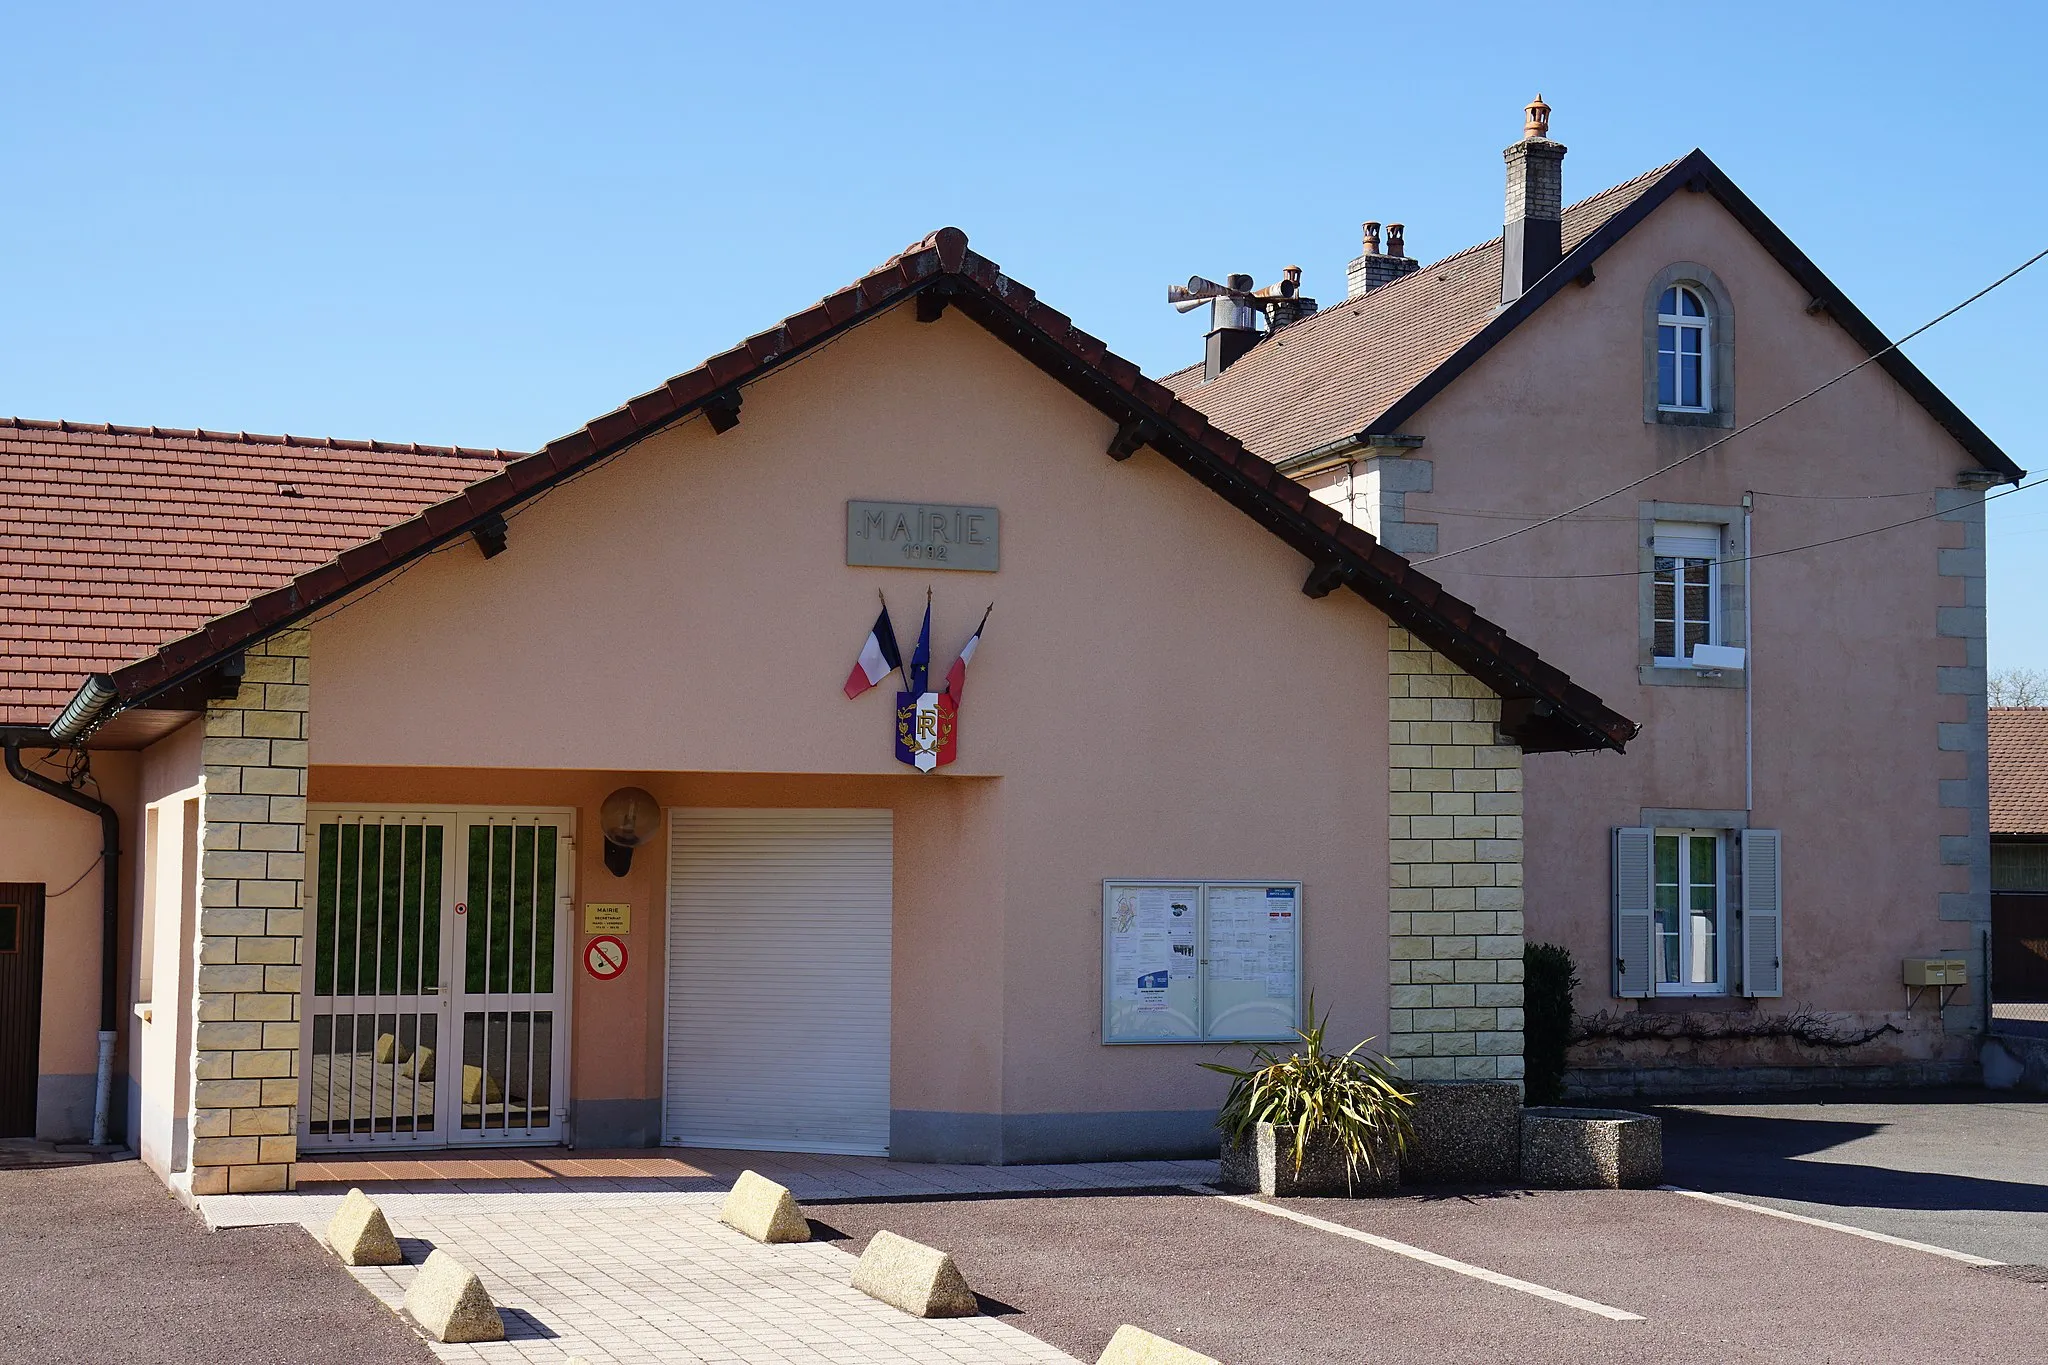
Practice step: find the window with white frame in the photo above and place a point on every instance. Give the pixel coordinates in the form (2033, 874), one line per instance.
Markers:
(1688, 898)
(1684, 351)
(1685, 590)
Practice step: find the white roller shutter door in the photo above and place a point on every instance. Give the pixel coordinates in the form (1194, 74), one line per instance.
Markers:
(778, 980)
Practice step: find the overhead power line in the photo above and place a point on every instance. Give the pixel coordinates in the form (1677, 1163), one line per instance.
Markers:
(1767, 554)
(1747, 426)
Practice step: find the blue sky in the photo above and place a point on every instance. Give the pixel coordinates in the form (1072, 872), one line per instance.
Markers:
(485, 224)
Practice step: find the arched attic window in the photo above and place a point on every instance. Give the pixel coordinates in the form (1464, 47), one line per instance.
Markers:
(1688, 348)
(1685, 353)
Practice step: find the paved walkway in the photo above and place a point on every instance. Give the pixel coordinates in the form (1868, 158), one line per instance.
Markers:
(620, 1257)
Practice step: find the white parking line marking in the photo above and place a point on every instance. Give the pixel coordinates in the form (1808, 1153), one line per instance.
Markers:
(1965, 1257)
(1431, 1258)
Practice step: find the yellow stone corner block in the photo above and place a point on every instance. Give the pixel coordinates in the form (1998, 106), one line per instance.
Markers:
(360, 1234)
(1135, 1346)
(921, 1280)
(763, 1210)
(450, 1303)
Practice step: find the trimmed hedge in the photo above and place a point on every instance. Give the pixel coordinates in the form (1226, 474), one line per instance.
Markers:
(1549, 976)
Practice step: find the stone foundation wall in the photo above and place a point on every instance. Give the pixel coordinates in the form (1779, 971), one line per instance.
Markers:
(245, 1090)
(1455, 850)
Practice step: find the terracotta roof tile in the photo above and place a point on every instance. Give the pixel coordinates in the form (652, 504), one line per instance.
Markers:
(2019, 769)
(116, 540)
(1329, 375)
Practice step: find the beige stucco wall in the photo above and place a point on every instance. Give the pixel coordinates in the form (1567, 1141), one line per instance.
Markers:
(53, 843)
(1155, 696)
(1845, 654)
(163, 870)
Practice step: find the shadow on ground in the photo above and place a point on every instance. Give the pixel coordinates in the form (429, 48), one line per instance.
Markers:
(1761, 1154)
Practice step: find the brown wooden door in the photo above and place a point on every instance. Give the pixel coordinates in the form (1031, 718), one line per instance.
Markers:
(2019, 948)
(21, 1004)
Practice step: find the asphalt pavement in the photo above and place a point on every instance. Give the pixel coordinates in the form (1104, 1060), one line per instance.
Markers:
(1962, 1169)
(1707, 1282)
(100, 1263)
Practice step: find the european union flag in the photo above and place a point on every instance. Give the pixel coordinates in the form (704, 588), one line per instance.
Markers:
(921, 660)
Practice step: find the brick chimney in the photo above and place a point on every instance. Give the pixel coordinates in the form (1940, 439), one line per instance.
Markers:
(1374, 267)
(1535, 208)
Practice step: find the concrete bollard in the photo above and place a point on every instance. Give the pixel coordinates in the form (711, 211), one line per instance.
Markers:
(764, 1211)
(450, 1303)
(1135, 1346)
(360, 1234)
(921, 1280)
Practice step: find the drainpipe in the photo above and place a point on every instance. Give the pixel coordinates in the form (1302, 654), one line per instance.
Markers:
(110, 926)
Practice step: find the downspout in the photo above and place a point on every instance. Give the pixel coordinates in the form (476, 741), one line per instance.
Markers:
(110, 926)
(1748, 665)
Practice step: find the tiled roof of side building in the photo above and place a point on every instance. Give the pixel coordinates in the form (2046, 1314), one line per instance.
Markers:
(115, 540)
(1329, 375)
(2019, 769)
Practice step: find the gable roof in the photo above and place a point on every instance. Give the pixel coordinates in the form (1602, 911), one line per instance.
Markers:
(2019, 769)
(116, 540)
(1363, 367)
(1545, 709)
(1326, 377)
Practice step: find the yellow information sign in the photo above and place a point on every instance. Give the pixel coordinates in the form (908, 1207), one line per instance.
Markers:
(607, 918)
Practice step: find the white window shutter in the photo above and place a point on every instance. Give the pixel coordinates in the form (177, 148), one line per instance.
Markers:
(1633, 911)
(1763, 914)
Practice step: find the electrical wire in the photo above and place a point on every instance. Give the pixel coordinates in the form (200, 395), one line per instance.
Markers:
(97, 860)
(1767, 554)
(1747, 426)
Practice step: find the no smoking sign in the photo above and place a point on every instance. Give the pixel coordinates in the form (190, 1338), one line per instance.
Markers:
(604, 957)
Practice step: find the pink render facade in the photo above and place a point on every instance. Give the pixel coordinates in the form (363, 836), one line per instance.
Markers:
(1851, 721)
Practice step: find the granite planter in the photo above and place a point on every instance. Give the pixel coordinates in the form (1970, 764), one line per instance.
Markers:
(1465, 1133)
(1264, 1162)
(1591, 1149)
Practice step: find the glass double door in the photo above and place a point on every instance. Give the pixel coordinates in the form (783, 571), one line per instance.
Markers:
(435, 1011)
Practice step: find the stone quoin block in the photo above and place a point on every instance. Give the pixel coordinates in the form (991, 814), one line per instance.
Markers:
(920, 1280)
(763, 1210)
(450, 1303)
(1135, 1346)
(360, 1234)
(1455, 871)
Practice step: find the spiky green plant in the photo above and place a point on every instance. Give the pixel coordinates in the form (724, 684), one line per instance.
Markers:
(1357, 1099)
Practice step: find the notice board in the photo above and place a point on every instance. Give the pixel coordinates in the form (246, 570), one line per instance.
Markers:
(1200, 961)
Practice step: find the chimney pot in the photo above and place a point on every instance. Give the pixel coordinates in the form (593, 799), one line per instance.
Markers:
(1372, 239)
(1396, 243)
(1533, 236)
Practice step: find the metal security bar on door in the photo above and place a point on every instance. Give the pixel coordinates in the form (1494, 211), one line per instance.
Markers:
(372, 1070)
(511, 969)
(436, 979)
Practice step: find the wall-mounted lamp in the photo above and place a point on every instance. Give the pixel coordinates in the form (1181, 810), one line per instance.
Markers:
(629, 818)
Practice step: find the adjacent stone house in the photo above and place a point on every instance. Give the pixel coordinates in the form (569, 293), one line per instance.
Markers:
(1648, 431)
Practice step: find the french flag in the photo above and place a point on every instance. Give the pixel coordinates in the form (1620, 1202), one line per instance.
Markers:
(956, 676)
(879, 657)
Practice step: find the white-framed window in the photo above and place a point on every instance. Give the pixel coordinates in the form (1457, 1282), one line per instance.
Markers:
(1685, 364)
(1685, 592)
(1698, 911)
(1689, 900)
